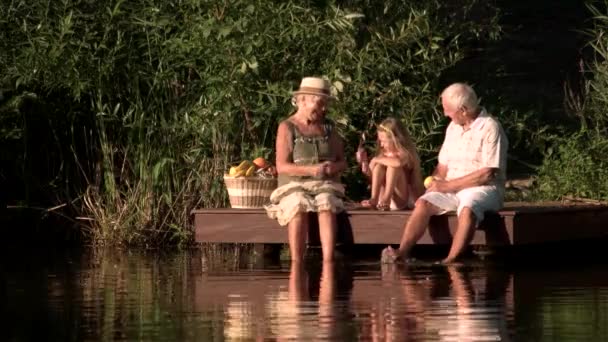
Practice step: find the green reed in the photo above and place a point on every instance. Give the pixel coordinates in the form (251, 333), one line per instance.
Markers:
(576, 165)
(141, 106)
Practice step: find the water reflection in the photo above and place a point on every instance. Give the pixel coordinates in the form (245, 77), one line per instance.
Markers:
(438, 304)
(133, 296)
(414, 303)
(311, 308)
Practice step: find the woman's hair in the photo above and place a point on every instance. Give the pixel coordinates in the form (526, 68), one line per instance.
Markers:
(461, 95)
(401, 138)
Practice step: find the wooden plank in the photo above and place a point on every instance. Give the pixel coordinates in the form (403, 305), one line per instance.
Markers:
(560, 224)
(368, 227)
(243, 226)
(517, 223)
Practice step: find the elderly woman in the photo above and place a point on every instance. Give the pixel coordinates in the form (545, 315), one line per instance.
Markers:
(309, 159)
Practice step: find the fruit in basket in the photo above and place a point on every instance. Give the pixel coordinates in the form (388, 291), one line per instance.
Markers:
(250, 171)
(260, 162)
(244, 165)
(259, 167)
(241, 169)
(272, 170)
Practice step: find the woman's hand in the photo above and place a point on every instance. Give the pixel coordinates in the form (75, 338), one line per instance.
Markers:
(332, 168)
(319, 170)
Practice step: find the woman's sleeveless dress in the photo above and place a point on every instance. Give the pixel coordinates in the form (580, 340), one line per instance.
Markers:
(297, 194)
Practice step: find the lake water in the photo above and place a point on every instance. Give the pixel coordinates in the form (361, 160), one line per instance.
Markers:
(190, 296)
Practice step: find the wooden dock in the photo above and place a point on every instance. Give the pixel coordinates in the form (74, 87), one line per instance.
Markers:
(516, 224)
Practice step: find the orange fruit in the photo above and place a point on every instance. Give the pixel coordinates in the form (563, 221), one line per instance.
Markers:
(260, 162)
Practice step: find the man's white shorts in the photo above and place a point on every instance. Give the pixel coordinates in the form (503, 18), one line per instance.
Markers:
(480, 199)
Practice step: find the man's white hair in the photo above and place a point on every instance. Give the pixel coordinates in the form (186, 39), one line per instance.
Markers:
(461, 95)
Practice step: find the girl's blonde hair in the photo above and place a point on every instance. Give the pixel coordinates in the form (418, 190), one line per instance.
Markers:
(401, 138)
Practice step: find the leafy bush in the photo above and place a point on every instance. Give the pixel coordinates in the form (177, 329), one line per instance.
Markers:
(578, 169)
(577, 165)
(141, 105)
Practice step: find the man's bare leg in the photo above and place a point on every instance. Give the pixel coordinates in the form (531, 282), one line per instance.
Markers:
(327, 233)
(415, 227)
(466, 227)
(298, 235)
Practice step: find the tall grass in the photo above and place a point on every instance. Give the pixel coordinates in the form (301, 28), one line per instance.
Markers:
(576, 166)
(141, 105)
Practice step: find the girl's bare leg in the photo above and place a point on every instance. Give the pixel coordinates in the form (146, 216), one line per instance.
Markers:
(378, 177)
(327, 233)
(395, 187)
(298, 235)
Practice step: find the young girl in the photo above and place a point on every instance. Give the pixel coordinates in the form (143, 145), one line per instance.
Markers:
(395, 174)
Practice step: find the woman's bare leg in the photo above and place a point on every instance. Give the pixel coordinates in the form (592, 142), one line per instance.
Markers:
(298, 235)
(327, 233)
(395, 187)
(298, 282)
(327, 309)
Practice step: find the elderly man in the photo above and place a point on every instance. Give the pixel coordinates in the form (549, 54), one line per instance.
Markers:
(470, 175)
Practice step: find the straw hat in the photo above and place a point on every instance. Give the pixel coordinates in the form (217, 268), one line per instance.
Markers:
(314, 86)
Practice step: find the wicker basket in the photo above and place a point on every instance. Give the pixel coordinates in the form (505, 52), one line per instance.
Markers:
(249, 192)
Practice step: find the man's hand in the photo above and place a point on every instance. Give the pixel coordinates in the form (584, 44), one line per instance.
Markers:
(439, 185)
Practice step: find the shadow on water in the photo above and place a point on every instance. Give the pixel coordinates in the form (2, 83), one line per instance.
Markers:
(127, 295)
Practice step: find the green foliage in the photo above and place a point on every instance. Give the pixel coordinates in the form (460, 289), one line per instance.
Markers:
(578, 168)
(146, 103)
(593, 105)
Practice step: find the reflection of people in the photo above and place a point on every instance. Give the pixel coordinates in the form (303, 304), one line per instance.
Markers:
(309, 160)
(470, 175)
(287, 310)
(395, 174)
(466, 321)
(239, 323)
(296, 315)
(399, 316)
(433, 305)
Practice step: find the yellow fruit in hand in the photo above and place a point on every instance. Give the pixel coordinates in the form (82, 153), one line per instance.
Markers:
(428, 180)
